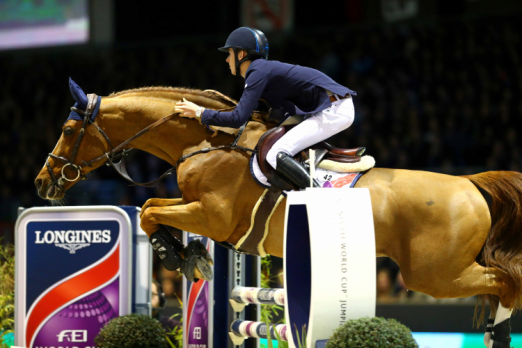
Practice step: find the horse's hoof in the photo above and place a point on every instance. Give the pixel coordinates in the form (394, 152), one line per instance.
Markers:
(195, 247)
(197, 262)
(196, 267)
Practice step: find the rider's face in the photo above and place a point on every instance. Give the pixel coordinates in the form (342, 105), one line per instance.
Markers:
(231, 61)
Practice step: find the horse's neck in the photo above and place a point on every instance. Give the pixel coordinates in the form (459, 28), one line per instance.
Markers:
(121, 118)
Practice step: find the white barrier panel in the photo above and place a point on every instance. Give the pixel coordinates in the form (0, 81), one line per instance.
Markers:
(329, 261)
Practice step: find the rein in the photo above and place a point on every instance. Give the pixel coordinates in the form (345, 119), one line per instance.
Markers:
(111, 155)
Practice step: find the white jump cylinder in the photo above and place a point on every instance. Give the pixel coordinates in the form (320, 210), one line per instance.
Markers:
(329, 261)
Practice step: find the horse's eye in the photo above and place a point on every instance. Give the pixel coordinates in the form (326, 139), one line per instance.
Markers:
(68, 131)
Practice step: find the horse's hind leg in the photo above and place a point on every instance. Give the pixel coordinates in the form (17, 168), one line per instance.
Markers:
(478, 280)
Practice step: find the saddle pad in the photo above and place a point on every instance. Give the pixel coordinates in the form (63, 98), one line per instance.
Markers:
(325, 178)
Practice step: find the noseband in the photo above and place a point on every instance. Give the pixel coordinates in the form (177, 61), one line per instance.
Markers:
(111, 155)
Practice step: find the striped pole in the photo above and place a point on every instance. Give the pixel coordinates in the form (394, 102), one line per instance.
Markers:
(265, 296)
(242, 296)
(242, 329)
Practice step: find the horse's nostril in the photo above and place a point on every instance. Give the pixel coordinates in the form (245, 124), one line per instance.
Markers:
(38, 183)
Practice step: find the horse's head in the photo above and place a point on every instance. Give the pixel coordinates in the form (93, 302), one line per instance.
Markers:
(80, 143)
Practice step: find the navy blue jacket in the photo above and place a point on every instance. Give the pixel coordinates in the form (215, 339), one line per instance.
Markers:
(295, 89)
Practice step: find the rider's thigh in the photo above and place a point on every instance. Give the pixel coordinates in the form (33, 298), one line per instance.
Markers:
(314, 129)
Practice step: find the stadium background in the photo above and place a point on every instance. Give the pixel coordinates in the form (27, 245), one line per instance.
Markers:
(438, 82)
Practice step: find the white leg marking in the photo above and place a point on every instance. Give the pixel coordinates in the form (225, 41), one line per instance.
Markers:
(502, 314)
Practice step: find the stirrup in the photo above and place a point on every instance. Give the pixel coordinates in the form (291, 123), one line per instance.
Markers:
(293, 171)
(167, 247)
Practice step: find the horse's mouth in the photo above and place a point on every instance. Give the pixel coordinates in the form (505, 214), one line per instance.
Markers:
(52, 192)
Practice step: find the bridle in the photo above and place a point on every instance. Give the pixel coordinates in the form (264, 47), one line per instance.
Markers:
(112, 154)
(91, 105)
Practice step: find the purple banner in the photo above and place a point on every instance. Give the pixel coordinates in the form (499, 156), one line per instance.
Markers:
(79, 323)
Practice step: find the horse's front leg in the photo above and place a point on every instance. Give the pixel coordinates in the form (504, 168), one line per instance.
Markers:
(160, 202)
(186, 217)
(195, 262)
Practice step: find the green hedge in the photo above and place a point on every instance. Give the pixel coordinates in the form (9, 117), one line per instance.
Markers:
(132, 331)
(372, 333)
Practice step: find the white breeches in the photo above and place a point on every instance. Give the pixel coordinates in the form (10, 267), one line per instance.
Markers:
(314, 129)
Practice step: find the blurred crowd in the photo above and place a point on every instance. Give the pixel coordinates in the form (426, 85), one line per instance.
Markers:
(439, 96)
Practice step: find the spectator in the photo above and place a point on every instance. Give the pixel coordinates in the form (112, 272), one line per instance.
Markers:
(159, 302)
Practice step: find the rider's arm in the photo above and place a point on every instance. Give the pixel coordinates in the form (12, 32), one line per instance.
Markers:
(254, 86)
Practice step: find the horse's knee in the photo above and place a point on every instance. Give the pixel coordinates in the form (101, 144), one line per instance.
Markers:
(146, 214)
(151, 202)
(148, 221)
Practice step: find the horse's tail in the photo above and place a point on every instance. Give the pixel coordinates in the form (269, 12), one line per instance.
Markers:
(503, 247)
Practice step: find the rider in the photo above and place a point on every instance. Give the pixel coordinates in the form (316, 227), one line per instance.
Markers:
(326, 105)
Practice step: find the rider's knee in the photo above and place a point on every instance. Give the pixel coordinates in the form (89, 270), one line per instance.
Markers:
(339, 123)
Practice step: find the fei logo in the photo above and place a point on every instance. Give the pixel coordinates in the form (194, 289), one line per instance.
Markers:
(73, 240)
(72, 336)
(197, 333)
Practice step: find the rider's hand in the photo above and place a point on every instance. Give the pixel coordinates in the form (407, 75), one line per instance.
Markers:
(186, 108)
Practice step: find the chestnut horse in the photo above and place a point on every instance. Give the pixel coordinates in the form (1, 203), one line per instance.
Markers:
(439, 228)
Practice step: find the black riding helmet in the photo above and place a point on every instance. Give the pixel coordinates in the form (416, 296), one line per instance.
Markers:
(249, 39)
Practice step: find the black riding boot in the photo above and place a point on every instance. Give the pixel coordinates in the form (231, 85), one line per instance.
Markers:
(293, 171)
(167, 247)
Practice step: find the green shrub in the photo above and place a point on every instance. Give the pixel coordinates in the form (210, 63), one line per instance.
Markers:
(7, 270)
(372, 333)
(132, 331)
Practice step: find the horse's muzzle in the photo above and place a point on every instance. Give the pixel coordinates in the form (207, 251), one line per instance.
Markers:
(47, 190)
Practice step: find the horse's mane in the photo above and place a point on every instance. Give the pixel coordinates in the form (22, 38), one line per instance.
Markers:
(211, 98)
(210, 94)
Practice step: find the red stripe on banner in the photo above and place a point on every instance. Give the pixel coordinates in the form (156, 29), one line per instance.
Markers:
(71, 289)
(194, 291)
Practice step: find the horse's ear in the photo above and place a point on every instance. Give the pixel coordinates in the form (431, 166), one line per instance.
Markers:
(78, 94)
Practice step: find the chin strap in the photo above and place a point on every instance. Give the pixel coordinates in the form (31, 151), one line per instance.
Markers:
(239, 62)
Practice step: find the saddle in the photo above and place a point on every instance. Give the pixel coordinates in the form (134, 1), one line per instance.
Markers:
(323, 151)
